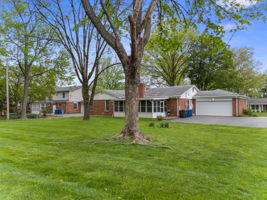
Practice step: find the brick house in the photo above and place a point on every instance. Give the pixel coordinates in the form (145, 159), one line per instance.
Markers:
(153, 102)
(67, 99)
(257, 104)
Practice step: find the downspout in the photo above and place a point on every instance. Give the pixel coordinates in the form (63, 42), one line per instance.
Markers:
(113, 109)
(236, 104)
(177, 105)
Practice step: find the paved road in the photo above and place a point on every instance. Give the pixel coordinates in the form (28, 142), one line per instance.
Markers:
(258, 122)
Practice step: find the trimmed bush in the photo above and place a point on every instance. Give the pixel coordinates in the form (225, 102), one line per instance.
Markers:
(164, 125)
(160, 118)
(248, 112)
(151, 124)
(32, 116)
(14, 116)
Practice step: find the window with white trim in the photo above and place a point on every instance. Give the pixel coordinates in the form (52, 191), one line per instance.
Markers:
(106, 106)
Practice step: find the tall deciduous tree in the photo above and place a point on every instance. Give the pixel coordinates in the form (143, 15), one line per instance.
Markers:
(139, 27)
(41, 87)
(112, 78)
(81, 40)
(210, 64)
(251, 80)
(166, 56)
(29, 44)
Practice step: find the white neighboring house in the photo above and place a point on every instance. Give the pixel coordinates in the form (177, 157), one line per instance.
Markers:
(66, 99)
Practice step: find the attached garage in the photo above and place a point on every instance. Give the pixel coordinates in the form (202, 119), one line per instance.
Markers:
(214, 108)
(219, 103)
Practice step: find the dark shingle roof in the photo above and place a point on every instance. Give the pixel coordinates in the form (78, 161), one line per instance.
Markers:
(175, 91)
(165, 92)
(67, 89)
(217, 93)
(257, 101)
(116, 93)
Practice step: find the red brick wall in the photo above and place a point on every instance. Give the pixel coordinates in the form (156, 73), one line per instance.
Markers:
(194, 106)
(182, 104)
(70, 108)
(234, 106)
(98, 108)
(61, 106)
(142, 90)
(242, 104)
(172, 107)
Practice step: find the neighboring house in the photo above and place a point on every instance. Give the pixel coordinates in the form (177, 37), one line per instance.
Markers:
(153, 102)
(67, 99)
(257, 104)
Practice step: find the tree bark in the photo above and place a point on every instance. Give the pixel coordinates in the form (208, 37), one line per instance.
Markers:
(25, 96)
(131, 130)
(140, 30)
(86, 101)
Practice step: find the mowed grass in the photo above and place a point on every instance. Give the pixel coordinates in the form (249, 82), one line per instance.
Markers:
(260, 114)
(55, 159)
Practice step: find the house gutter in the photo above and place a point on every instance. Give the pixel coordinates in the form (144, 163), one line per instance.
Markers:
(177, 106)
(237, 106)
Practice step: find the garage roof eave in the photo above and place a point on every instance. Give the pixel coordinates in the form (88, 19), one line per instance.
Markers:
(242, 97)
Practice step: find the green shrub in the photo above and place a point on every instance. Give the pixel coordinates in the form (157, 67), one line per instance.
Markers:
(167, 125)
(151, 124)
(32, 116)
(14, 116)
(46, 111)
(160, 118)
(248, 112)
(164, 125)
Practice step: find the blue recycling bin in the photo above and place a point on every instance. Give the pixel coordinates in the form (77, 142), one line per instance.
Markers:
(189, 113)
(58, 112)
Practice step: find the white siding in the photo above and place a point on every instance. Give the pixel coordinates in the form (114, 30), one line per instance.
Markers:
(36, 108)
(141, 114)
(59, 96)
(76, 95)
(189, 93)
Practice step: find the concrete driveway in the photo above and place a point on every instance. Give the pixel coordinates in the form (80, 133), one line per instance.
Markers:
(258, 122)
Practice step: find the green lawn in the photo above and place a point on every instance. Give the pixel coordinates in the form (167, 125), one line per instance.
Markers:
(55, 159)
(260, 114)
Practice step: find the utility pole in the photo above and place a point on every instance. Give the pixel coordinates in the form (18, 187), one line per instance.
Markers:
(7, 94)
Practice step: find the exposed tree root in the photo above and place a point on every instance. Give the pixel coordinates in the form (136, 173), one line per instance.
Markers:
(118, 143)
(122, 143)
(136, 137)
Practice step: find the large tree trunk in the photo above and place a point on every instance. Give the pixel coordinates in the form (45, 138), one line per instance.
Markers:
(86, 101)
(25, 96)
(131, 130)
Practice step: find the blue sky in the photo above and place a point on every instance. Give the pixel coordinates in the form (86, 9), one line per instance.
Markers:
(255, 36)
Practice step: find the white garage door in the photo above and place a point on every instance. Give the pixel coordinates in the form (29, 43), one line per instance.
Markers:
(219, 108)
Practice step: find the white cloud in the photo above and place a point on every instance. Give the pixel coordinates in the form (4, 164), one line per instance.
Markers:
(229, 26)
(242, 3)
